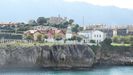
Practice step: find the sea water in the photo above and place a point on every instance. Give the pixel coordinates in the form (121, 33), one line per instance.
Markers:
(123, 70)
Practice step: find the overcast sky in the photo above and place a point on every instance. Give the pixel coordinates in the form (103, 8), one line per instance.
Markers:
(118, 3)
(23, 10)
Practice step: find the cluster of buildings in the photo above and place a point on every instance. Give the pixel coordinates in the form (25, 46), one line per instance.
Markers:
(87, 35)
(96, 33)
(48, 31)
(113, 30)
(7, 31)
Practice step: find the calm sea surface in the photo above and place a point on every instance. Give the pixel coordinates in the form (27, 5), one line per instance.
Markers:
(99, 71)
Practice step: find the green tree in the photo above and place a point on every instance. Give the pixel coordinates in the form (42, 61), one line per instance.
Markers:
(127, 40)
(92, 41)
(81, 28)
(32, 22)
(73, 38)
(131, 41)
(64, 25)
(45, 36)
(131, 44)
(71, 21)
(115, 39)
(75, 28)
(39, 37)
(76, 38)
(131, 38)
(57, 37)
(41, 20)
(79, 39)
(29, 37)
(122, 39)
(107, 42)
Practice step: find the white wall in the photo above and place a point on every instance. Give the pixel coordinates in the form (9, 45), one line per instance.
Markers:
(88, 35)
(68, 35)
(98, 36)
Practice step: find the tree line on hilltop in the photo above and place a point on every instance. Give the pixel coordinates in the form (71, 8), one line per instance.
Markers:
(44, 22)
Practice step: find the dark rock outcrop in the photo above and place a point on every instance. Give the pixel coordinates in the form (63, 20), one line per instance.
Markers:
(62, 56)
(114, 56)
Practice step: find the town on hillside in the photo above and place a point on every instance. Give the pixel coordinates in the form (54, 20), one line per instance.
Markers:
(64, 31)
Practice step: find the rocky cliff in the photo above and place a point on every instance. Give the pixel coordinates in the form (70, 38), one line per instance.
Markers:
(114, 56)
(65, 56)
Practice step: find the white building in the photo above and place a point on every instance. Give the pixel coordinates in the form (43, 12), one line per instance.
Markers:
(69, 33)
(97, 36)
(86, 35)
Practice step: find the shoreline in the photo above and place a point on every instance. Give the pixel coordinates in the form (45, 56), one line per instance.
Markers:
(59, 69)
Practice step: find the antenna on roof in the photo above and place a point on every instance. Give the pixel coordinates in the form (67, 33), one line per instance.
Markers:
(83, 20)
(58, 15)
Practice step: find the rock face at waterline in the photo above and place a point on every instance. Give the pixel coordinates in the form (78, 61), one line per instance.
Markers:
(64, 56)
(114, 56)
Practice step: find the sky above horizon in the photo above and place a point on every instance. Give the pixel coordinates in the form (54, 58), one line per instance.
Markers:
(128, 4)
(94, 11)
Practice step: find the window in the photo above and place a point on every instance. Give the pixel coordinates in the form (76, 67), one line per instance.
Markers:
(97, 41)
(99, 35)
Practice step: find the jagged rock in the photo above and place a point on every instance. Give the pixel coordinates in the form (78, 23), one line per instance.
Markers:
(115, 56)
(62, 56)
(67, 56)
